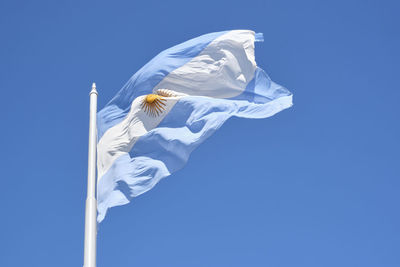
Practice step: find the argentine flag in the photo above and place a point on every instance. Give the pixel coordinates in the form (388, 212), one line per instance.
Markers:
(174, 103)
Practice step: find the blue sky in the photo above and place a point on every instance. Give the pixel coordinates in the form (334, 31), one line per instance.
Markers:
(315, 185)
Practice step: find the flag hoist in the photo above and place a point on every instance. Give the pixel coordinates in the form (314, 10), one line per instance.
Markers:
(91, 204)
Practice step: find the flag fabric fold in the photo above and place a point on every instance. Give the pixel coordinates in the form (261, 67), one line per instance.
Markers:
(174, 103)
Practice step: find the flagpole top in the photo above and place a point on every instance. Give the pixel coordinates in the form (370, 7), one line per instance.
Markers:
(94, 91)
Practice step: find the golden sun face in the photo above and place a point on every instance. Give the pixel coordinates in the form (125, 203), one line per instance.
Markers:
(153, 104)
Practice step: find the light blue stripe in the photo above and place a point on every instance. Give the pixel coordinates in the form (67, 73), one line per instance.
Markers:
(145, 79)
(261, 89)
(259, 37)
(167, 148)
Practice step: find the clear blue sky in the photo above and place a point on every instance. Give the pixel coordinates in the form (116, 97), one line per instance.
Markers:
(315, 185)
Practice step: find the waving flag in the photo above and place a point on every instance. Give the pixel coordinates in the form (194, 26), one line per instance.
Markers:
(172, 104)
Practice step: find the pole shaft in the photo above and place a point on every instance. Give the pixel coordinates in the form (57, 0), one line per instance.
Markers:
(91, 204)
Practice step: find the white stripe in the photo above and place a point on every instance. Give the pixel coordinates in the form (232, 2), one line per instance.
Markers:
(222, 70)
(119, 139)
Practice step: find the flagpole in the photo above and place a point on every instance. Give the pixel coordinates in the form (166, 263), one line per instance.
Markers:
(91, 204)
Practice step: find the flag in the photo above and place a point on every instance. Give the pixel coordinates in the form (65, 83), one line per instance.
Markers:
(174, 103)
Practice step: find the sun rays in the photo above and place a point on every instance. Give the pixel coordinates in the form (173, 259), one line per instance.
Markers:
(153, 104)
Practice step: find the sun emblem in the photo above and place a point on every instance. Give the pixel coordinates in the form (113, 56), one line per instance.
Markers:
(153, 104)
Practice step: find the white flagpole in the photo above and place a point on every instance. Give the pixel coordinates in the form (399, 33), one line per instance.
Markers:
(91, 205)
